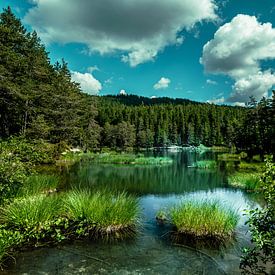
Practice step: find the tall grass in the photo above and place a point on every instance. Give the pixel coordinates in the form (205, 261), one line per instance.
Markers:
(37, 184)
(30, 211)
(202, 220)
(102, 209)
(118, 158)
(206, 164)
(247, 181)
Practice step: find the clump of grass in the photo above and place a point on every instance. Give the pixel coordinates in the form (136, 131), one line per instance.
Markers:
(37, 184)
(30, 211)
(255, 166)
(247, 181)
(232, 157)
(206, 164)
(204, 220)
(106, 212)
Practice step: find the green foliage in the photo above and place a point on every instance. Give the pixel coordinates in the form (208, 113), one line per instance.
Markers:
(247, 181)
(206, 219)
(8, 240)
(206, 164)
(261, 222)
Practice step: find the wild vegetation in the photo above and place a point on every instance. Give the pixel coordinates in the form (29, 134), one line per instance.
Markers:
(206, 164)
(247, 181)
(117, 158)
(202, 221)
(259, 258)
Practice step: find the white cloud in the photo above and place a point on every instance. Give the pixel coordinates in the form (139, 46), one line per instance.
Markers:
(122, 92)
(216, 100)
(138, 29)
(163, 83)
(153, 97)
(211, 82)
(91, 69)
(254, 85)
(87, 82)
(237, 49)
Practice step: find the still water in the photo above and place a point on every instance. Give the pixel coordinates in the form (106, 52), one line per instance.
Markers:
(151, 252)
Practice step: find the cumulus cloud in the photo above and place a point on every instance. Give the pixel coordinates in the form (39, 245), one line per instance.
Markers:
(138, 29)
(122, 92)
(163, 83)
(88, 83)
(237, 49)
(216, 100)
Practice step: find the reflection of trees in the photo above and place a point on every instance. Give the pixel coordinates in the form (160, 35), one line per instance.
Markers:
(176, 178)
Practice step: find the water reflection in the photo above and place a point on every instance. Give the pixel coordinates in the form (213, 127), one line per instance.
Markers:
(158, 187)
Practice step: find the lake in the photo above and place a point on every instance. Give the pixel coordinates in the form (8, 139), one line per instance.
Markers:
(151, 252)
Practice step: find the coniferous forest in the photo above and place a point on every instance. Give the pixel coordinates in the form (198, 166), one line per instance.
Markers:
(45, 116)
(40, 101)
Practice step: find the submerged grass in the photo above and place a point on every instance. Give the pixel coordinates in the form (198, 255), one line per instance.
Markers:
(204, 220)
(206, 164)
(247, 181)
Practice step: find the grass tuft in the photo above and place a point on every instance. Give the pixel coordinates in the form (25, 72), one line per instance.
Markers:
(30, 211)
(104, 210)
(38, 184)
(204, 220)
(247, 181)
(206, 164)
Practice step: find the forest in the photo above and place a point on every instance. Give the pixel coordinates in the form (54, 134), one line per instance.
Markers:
(44, 113)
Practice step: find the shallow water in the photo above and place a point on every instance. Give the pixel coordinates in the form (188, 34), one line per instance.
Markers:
(151, 252)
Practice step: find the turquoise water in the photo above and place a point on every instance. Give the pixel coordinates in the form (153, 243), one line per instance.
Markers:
(151, 252)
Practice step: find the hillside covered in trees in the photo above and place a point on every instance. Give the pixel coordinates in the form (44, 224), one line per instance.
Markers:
(39, 100)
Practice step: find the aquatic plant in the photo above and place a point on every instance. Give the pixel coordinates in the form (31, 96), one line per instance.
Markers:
(204, 220)
(30, 211)
(117, 158)
(247, 181)
(107, 212)
(39, 183)
(206, 164)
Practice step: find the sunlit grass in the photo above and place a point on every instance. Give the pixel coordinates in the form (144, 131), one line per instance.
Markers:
(247, 181)
(202, 220)
(206, 164)
(37, 184)
(102, 209)
(30, 211)
(118, 158)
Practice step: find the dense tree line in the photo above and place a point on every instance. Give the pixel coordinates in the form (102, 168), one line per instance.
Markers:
(39, 100)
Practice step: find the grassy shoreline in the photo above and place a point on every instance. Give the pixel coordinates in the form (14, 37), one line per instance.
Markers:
(47, 219)
(116, 158)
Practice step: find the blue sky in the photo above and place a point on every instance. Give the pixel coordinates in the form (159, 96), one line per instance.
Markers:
(158, 47)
